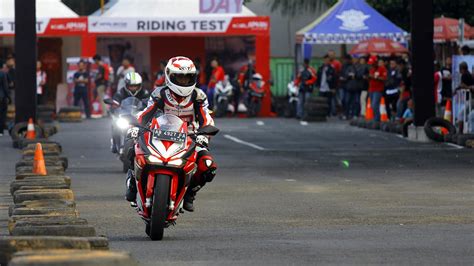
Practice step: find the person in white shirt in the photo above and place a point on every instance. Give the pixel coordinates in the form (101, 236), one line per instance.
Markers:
(122, 71)
(40, 83)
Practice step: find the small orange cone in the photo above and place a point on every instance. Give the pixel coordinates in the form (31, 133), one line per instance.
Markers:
(39, 166)
(383, 111)
(448, 116)
(30, 130)
(369, 113)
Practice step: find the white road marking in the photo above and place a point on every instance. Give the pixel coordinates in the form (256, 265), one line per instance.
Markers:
(234, 139)
(303, 123)
(454, 145)
(260, 123)
(290, 180)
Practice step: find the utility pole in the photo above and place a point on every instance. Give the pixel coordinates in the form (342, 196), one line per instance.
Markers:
(25, 57)
(422, 60)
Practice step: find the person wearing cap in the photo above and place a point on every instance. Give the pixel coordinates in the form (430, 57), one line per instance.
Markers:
(377, 78)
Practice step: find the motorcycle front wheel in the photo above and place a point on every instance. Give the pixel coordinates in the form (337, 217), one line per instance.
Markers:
(159, 209)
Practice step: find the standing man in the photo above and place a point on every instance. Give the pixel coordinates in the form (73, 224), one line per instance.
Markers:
(11, 70)
(377, 78)
(40, 83)
(4, 100)
(364, 68)
(244, 78)
(217, 75)
(392, 88)
(81, 90)
(123, 70)
(352, 76)
(447, 91)
(305, 81)
(326, 82)
(101, 82)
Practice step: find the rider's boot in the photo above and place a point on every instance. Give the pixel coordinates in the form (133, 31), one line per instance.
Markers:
(190, 196)
(131, 192)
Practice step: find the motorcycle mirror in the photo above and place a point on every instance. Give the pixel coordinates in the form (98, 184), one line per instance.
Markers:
(208, 130)
(108, 101)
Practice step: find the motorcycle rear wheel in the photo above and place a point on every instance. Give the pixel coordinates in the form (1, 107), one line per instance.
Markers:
(159, 209)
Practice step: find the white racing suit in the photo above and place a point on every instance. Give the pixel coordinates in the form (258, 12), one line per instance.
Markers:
(193, 110)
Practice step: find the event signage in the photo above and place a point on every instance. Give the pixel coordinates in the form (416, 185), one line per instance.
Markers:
(49, 26)
(7, 26)
(241, 25)
(220, 6)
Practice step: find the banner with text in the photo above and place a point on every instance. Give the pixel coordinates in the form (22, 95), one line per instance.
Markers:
(238, 25)
(220, 6)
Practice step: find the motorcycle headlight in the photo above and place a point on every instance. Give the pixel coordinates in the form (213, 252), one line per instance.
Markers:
(122, 123)
(152, 159)
(177, 162)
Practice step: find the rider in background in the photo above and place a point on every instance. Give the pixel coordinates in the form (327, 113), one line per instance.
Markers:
(133, 88)
(180, 97)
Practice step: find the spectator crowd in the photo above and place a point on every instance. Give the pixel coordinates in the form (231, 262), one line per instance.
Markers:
(351, 84)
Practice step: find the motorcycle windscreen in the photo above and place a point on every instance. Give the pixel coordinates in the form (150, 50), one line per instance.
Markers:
(170, 122)
(131, 105)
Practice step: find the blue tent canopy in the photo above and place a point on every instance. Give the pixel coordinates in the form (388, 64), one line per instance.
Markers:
(347, 22)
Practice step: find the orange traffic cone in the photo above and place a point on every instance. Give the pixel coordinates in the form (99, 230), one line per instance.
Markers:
(30, 130)
(448, 116)
(39, 166)
(383, 111)
(369, 113)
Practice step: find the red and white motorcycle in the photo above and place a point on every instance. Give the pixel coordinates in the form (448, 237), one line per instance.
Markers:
(165, 161)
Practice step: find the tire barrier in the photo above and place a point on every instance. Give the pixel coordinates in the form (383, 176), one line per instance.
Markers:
(70, 114)
(316, 109)
(437, 122)
(44, 224)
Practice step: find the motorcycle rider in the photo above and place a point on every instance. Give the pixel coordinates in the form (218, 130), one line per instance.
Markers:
(133, 88)
(180, 97)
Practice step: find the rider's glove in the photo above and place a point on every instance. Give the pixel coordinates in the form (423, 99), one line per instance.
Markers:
(133, 132)
(202, 141)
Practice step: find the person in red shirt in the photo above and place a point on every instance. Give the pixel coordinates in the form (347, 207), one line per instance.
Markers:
(377, 78)
(336, 64)
(217, 75)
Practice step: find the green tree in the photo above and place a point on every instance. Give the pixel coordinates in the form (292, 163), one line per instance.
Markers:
(396, 11)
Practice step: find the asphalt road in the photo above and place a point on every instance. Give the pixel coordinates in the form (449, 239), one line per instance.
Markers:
(286, 194)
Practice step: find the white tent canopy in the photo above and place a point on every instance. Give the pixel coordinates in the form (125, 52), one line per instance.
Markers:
(159, 8)
(44, 9)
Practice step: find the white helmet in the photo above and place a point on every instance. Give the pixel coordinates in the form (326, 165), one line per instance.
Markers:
(180, 74)
(133, 79)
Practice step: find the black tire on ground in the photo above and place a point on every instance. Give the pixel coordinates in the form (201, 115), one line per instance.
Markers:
(70, 109)
(406, 124)
(159, 210)
(221, 110)
(316, 119)
(280, 106)
(448, 138)
(462, 138)
(438, 122)
(45, 108)
(19, 130)
(318, 100)
(290, 109)
(316, 106)
(316, 112)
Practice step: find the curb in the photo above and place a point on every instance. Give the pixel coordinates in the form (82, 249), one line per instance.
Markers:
(44, 225)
